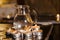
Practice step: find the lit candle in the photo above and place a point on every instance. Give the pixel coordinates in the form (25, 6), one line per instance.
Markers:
(57, 17)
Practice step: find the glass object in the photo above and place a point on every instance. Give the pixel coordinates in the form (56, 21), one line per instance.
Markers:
(22, 18)
(34, 15)
(23, 21)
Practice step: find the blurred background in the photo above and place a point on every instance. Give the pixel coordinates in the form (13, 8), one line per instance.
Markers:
(42, 7)
(46, 12)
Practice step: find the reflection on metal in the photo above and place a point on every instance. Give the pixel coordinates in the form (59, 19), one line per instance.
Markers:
(48, 23)
(45, 23)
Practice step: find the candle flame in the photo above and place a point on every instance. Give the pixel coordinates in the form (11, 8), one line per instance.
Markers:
(58, 17)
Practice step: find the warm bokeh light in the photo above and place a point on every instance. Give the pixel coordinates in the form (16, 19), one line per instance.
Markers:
(58, 17)
(2, 2)
(8, 16)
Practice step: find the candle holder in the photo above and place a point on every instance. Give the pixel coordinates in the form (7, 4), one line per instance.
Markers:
(39, 34)
(28, 35)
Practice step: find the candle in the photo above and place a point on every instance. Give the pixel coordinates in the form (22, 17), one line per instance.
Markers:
(58, 17)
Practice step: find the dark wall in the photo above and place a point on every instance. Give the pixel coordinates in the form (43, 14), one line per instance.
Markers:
(45, 5)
